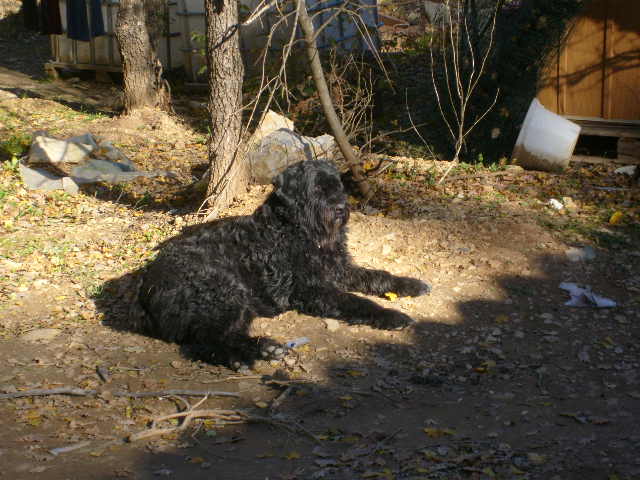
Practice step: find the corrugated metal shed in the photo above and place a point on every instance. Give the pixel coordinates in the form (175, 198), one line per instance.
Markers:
(186, 17)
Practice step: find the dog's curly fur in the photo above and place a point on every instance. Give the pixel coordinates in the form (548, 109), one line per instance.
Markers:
(207, 284)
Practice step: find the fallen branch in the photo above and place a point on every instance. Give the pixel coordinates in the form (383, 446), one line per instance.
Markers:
(222, 417)
(483, 174)
(281, 398)
(79, 392)
(187, 393)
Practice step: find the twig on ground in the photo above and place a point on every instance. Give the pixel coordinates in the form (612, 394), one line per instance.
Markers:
(165, 393)
(483, 174)
(41, 392)
(80, 392)
(233, 377)
(280, 398)
(222, 417)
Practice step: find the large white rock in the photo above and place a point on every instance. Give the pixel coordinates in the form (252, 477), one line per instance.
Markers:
(45, 149)
(271, 122)
(283, 147)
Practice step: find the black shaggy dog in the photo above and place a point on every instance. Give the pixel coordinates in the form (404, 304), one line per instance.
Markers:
(208, 284)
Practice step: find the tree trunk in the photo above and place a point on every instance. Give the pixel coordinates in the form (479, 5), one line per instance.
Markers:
(228, 172)
(137, 28)
(327, 104)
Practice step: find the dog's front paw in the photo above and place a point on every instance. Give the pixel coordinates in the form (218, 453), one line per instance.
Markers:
(271, 350)
(411, 287)
(393, 320)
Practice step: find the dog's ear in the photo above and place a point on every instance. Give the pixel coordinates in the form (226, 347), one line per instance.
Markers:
(281, 188)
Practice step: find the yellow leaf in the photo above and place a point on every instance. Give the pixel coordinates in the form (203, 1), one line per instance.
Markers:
(292, 455)
(355, 373)
(346, 398)
(536, 459)
(391, 296)
(368, 166)
(261, 404)
(616, 218)
(438, 432)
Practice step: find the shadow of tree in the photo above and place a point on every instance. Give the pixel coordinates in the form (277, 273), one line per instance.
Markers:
(497, 379)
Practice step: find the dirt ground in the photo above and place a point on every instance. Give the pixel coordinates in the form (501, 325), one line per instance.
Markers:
(498, 380)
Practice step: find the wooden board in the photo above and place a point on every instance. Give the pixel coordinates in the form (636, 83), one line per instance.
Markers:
(581, 70)
(597, 72)
(622, 64)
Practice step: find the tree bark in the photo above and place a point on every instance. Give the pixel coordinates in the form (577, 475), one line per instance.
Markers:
(327, 104)
(229, 174)
(137, 29)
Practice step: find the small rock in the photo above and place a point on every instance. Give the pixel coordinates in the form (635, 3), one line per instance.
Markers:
(163, 472)
(331, 324)
(578, 254)
(41, 335)
(569, 204)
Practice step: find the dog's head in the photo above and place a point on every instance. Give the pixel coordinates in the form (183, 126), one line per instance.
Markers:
(312, 195)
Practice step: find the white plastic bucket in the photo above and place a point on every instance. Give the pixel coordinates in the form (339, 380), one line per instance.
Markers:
(546, 140)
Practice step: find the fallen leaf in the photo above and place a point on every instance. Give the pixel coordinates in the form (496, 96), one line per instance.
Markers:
(438, 432)
(616, 218)
(536, 458)
(391, 296)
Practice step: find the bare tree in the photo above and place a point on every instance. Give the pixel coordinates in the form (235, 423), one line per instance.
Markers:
(464, 46)
(228, 173)
(138, 26)
(327, 104)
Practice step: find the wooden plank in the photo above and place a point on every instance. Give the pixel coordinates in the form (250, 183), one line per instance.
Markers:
(603, 161)
(607, 128)
(623, 60)
(549, 87)
(582, 64)
(629, 148)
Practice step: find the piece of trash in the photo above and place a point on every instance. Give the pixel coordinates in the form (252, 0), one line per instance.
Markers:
(555, 204)
(581, 254)
(46, 149)
(546, 141)
(298, 342)
(76, 446)
(627, 170)
(94, 162)
(163, 472)
(584, 297)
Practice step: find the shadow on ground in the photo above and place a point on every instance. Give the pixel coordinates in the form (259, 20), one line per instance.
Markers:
(504, 383)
